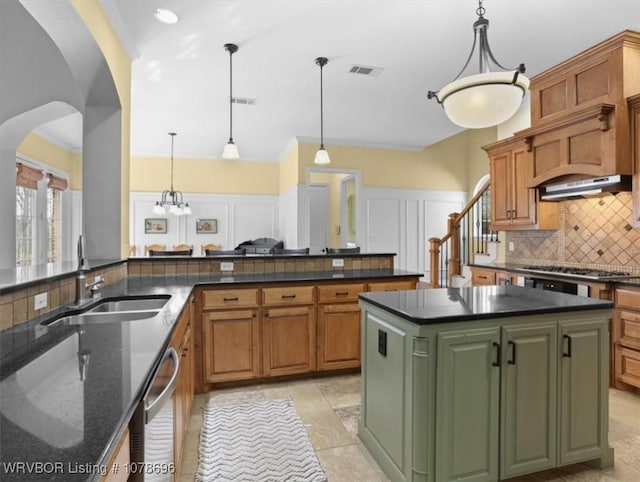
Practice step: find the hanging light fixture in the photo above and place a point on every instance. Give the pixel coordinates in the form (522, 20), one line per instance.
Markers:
(322, 156)
(487, 98)
(230, 149)
(171, 197)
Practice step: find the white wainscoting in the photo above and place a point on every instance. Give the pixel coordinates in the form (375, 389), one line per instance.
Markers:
(402, 221)
(239, 217)
(288, 217)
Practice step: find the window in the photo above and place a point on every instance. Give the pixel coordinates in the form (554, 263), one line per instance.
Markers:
(25, 225)
(53, 225)
(38, 216)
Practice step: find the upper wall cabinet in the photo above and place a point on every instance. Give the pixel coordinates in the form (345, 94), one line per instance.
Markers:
(634, 108)
(579, 113)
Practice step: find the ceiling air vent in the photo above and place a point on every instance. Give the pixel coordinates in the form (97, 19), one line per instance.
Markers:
(366, 70)
(243, 100)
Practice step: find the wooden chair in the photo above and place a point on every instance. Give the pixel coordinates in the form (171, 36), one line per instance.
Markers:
(133, 250)
(182, 247)
(210, 247)
(154, 247)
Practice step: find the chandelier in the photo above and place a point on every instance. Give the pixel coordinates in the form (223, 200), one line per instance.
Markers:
(485, 99)
(171, 198)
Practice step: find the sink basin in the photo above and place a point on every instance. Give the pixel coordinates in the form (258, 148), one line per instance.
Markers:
(135, 304)
(97, 318)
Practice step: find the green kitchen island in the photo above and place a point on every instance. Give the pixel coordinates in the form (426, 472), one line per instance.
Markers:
(484, 383)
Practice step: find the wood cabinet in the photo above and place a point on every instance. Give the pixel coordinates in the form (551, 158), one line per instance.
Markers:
(289, 340)
(483, 276)
(626, 338)
(121, 458)
(400, 285)
(513, 204)
(182, 342)
(339, 325)
(634, 113)
(485, 399)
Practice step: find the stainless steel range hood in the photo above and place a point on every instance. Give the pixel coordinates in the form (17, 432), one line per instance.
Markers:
(585, 187)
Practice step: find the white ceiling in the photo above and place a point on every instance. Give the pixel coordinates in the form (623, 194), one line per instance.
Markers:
(181, 74)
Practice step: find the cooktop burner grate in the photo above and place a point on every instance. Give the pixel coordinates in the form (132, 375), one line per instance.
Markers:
(593, 273)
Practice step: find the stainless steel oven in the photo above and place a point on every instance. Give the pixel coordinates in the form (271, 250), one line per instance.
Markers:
(152, 427)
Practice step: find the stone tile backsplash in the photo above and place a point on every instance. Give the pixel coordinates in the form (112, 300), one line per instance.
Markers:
(594, 233)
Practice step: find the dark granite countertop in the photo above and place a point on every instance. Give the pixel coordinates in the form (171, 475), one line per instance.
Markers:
(482, 302)
(48, 415)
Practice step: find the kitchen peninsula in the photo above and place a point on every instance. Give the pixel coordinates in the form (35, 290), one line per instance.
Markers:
(483, 383)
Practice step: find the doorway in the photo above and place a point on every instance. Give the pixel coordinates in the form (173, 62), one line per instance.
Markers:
(319, 218)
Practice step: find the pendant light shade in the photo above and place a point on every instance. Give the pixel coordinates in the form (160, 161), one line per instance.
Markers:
(230, 149)
(485, 99)
(171, 198)
(322, 156)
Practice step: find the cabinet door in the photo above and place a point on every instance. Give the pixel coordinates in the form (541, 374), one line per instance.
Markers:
(231, 345)
(338, 336)
(583, 389)
(523, 201)
(467, 405)
(500, 189)
(289, 340)
(528, 399)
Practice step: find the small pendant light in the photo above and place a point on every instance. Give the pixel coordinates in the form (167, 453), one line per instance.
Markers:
(230, 149)
(322, 156)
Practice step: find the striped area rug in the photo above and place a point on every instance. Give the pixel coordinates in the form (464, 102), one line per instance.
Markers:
(256, 441)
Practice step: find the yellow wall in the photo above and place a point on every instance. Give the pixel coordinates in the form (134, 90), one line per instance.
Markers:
(441, 166)
(119, 64)
(205, 176)
(478, 160)
(289, 169)
(40, 149)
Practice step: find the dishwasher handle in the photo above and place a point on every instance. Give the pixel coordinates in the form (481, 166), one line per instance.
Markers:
(151, 410)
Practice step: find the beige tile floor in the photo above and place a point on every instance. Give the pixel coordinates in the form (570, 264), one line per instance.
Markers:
(330, 407)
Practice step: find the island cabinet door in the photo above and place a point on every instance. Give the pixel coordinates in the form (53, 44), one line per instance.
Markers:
(583, 390)
(528, 399)
(467, 405)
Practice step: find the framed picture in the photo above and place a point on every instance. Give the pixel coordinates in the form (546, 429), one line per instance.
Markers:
(155, 226)
(206, 226)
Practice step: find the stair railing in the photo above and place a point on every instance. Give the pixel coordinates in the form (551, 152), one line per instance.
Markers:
(468, 234)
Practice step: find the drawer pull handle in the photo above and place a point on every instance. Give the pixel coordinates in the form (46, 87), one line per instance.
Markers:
(342, 293)
(512, 360)
(482, 277)
(567, 354)
(498, 361)
(284, 297)
(231, 298)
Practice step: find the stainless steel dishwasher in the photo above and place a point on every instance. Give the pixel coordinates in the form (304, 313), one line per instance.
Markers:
(152, 426)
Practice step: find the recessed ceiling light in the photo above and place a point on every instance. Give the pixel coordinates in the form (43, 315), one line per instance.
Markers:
(165, 16)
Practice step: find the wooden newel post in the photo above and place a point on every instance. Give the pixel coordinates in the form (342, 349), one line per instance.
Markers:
(434, 270)
(454, 260)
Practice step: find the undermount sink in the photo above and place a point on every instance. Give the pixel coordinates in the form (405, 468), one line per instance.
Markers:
(97, 318)
(115, 310)
(137, 304)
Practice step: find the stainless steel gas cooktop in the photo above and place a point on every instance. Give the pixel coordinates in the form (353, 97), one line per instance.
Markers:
(583, 272)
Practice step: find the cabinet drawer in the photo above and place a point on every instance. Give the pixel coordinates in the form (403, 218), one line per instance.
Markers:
(392, 285)
(626, 298)
(482, 277)
(288, 295)
(342, 292)
(627, 366)
(627, 328)
(212, 299)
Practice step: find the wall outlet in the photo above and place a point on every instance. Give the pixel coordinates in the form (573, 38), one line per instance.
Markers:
(337, 262)
(512, 246)
(40, 301)
(226, 266)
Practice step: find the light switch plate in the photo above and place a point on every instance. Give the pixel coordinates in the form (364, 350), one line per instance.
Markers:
(337, 262)
(226, 266)
(40, 301)
(512, 246)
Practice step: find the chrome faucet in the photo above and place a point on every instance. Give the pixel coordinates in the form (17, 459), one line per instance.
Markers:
(81, 285)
